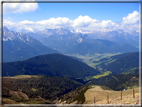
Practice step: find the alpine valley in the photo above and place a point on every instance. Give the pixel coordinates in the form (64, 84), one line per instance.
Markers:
(60, 66)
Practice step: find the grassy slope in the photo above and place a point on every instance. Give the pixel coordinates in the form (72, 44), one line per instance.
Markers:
(86, 94)
(101, 95)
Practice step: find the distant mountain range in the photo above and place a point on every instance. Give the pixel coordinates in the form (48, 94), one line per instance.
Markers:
(60, 39)
(118, 36)
(77, 43)
(92, 46)
(20, 46)
(50, 64)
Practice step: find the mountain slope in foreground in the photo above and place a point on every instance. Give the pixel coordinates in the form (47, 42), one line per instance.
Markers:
(118, 82)
(36, 89)
(114, 96)
(99, 88)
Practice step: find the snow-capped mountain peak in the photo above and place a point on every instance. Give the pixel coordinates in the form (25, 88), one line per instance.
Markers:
(29, 30)
(22, 29)
(12, 35)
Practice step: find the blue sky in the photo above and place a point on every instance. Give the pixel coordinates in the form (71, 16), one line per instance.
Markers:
(101, 12)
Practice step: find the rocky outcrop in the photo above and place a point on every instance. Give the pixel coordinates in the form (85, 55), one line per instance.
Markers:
(14, 94)
(19, 95)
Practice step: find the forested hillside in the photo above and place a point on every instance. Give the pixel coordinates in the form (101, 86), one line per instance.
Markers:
(118, 81)
(46, 87)
(50, 64)
(119, 63)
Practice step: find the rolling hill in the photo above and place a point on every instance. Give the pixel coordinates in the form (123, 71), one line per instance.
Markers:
(119, 63)
(118, 82)
(50, 64)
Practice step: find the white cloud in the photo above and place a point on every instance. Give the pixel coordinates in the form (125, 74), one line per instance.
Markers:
(81, 23)
(19, 7)
(26, 22)
(132, 18)
(55, 21)
(8, 22)
(107, 23)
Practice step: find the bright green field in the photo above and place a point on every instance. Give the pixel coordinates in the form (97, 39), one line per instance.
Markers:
(102, 75)
(34, 89)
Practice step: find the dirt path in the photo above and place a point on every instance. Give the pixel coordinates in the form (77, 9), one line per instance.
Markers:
(101, 95)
